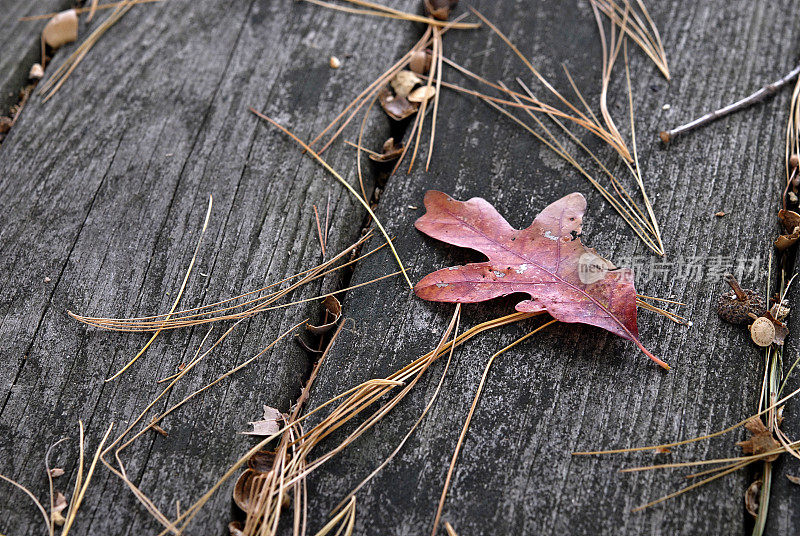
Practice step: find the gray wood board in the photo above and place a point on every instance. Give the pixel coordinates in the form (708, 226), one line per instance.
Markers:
(103, 191)
(577, 388)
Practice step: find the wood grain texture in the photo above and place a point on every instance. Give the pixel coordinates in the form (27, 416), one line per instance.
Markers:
(577, 388)
(103, 191)
(20, 43)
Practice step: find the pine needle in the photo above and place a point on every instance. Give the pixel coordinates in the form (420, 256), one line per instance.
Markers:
(179, 295)
(346, 185)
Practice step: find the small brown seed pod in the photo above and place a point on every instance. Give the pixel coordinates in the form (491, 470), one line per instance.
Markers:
(794, 161)
(736, 305)
(762, 331)
(421, 61)
(439, 9)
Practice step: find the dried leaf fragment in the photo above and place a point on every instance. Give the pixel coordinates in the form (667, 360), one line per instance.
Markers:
(403, 82)
(334, 62)
(334, 311)
(36, 72)
(262, 461)
(719, 214)
(789, 218)
(761, 440)
(422, 94)
(786, 241)
(268, 425)
(440, 9)
(235, 528)
(398, 108)
(247, 486)
(751, 498)
(390, 152)
(794, 479)
(59, 505)
(61, 29)
(56, 472)
(420, 61)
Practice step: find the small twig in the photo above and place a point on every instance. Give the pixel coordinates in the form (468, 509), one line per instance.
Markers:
(759, 96)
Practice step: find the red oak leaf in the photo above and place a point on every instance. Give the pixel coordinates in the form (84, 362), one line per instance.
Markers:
(546, 261)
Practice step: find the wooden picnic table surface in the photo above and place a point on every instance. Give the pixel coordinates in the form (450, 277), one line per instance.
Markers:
(103, 191)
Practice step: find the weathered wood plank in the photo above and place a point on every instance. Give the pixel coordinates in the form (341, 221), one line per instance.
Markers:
(575, 388)
(104, 189)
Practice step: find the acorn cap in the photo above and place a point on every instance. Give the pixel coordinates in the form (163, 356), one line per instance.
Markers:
(762, 331)
(737, 305)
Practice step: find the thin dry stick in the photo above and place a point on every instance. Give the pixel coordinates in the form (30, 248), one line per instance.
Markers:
(759, 96)
(180, 291)
(346, 185)
(469, 419)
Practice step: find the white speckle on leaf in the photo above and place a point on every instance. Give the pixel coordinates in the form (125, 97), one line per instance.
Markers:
(499, 274)
(550, 236)
(452, 267)
(522, 269)
(442, 285)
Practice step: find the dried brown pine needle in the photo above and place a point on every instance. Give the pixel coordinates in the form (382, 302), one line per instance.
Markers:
(639, 26)
(350, 404)
(177, 298)
(32, 497)
(254, 305)
(346, 184)
(465, 428)
(641, 220)
(57, 79)
(379, 10)
(85, 9)
(82, 485)
(694, 439)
